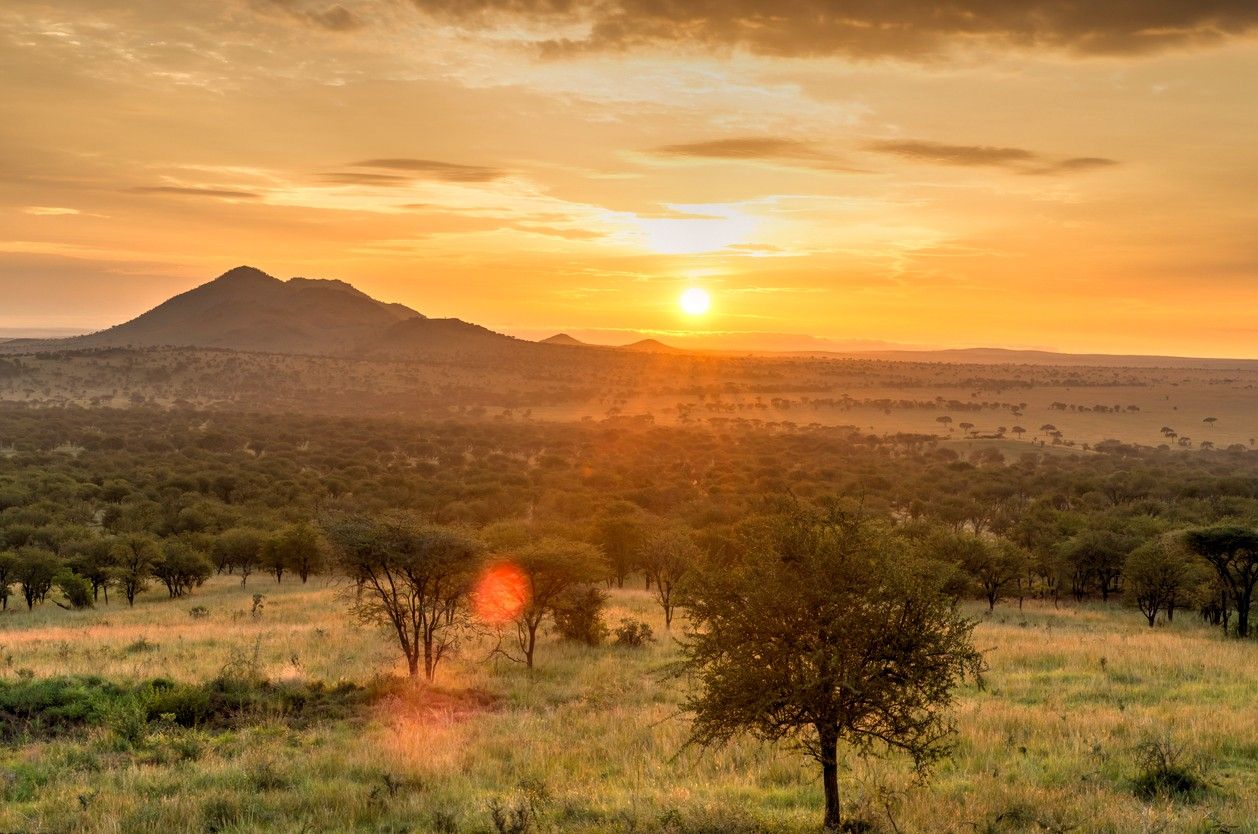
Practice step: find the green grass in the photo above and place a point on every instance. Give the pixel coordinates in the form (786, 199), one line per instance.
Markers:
(593, 737)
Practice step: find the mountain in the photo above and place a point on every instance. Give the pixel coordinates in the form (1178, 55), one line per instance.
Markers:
(246, 309)
(651, 346)
(421, 337)
(563, 339)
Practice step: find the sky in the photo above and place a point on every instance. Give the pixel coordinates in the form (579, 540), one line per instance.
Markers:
(1040, 174)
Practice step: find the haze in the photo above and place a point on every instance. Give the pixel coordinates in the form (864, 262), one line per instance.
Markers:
(1073, 179)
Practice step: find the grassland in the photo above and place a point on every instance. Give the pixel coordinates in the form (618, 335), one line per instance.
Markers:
(593, 740)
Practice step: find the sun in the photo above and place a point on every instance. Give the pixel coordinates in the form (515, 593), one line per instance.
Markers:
(695, 301)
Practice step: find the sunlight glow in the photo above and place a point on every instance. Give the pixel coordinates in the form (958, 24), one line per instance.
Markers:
(695, 301)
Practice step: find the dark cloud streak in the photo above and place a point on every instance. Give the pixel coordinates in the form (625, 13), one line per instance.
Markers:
(1020, 160)
(869, 28)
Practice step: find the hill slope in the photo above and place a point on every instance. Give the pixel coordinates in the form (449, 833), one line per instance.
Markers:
(246, 309)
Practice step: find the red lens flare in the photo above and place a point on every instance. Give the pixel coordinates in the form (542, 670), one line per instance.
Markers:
(501, 594)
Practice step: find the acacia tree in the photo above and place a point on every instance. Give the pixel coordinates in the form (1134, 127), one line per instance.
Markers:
(551, 567)
(993, 564)
(410, 576)
(1158, 576)
(830, 630)
(1232, 551)
(36, 570)
(237, 550)
(8, 575)
(181, 568)
(134, 556)
(667, 555)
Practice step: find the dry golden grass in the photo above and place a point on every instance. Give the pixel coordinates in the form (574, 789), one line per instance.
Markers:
(1046, 745)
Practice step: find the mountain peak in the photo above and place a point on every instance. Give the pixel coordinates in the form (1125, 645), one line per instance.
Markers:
(562, 339)
(245, 273)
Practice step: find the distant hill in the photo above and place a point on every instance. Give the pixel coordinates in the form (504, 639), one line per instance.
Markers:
(246, 309)
(651, 346)
(563, 339)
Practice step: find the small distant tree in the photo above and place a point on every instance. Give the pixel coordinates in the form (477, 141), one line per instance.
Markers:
(830, 630)
(236, 551)
(181, 568)
(134, 555)
(1158, 575)
(411, 576)
(619, 533)
(93, 560)
(302, 550)
(1232, 551)
(36, 570)
(994, 565)
(667, 555)
(8, 576)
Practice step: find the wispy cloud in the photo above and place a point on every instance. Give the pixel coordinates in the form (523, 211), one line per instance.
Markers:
(189, 191)
(432, 169)
(777, 150)
(1018, 159)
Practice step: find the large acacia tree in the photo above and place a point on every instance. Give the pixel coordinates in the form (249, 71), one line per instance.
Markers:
(411, 576)
(828, 630)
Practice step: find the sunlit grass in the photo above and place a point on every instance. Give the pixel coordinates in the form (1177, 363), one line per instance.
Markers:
(1049, 739)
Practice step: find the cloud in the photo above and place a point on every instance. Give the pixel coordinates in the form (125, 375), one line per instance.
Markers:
(757, 148)
(194, 192)
(49, 211)
(864, 28)
(1078, 163)
(952, 154)
(1017, 159)
(335, 18)
(431, 169)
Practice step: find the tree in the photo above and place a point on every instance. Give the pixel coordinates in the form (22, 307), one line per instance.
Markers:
(551, 568)
(411, 576)
(134, 555)
(1097, 554)
(36, 570)
(666, 555)
(1232, 551)
(237, 550)
(1158, 574)
(831, 630)
(93, 560)
(619, 533)
(182, 568)
(296, 547)
(76, 590)
(993, 564)
(8, 576)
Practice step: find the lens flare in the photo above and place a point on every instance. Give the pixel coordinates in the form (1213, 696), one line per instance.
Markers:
(500, 594)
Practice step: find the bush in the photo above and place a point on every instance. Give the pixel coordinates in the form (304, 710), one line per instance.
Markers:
(579, 616)
(634, 634)
(76, 590)
(198, 612)
(1166, 772)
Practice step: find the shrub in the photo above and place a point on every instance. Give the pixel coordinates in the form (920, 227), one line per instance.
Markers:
(633, 633)
(76, 590)
(198, 612)
(578, 616)
(1166, 772)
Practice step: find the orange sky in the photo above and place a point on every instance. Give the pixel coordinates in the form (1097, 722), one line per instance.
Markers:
(1039, 174)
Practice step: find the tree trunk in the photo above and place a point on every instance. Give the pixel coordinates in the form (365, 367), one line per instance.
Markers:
(829, 744)
(412, 665)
